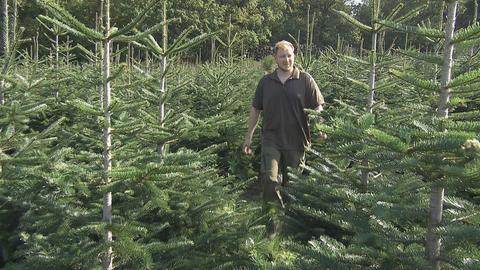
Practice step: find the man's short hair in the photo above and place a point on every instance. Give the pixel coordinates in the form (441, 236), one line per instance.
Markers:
(283, 45)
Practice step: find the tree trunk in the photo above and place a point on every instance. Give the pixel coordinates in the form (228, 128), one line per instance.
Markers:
(212, 51)
(2, 92)
(433, 241)
(57, 62)
(199, 56)
(448, 61)
(147, 60)
(67, 54)
(360, 49)
(57, 51)
(381, 43)
(96, 47)
(132, 56)
(405, 45)
(13, 22)
(36, 45)
(474, 20)
(440, 27)
(373, 74)
(370, 102)
(128, 56)
(117, 58)
(128, 60)
(475, 11)
(339, 44)
(99, 54)
(161, 146)
(229, 49)
(441, 17)
(107, 140)
(4, 44)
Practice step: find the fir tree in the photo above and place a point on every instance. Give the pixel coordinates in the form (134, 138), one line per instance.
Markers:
(454, 138)
(375, 29)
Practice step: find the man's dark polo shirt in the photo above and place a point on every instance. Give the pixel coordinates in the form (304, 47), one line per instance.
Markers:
(285, 124)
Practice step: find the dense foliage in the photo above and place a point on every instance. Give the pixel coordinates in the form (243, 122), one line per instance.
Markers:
(197, 205)
(256, 23)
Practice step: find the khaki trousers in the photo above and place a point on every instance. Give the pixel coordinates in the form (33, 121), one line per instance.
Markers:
(274, 171)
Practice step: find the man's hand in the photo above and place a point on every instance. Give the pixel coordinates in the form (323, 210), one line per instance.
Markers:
(322, 136)
(246, 146)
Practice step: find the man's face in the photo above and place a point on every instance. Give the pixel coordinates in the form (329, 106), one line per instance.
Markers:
(285, 58)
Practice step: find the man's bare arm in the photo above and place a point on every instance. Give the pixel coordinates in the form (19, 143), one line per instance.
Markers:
(252, 124)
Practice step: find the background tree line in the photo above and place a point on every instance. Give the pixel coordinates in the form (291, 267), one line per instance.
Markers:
(255, 23)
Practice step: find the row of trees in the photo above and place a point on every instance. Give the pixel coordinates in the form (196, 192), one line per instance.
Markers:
(117, 150)
(433, 15)
(254, 23)
(438, 151)
(402, 136)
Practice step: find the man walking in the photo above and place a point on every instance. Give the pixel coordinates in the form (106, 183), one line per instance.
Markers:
(282, 96)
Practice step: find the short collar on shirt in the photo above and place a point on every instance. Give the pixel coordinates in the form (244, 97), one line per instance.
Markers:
(295, 74)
